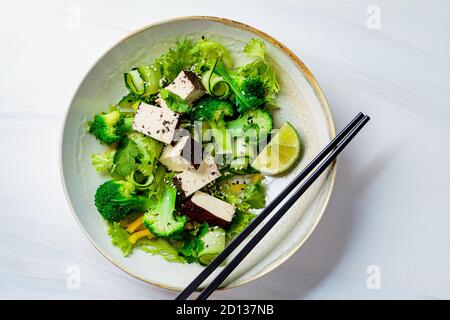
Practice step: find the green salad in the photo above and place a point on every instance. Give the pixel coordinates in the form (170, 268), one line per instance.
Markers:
(188, 149)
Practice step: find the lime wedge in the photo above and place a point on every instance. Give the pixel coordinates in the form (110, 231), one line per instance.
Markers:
(281, 153)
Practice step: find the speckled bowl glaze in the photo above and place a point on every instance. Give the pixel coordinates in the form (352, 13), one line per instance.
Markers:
(302, 103)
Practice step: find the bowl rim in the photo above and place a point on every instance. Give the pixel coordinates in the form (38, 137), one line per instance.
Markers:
(309, 77)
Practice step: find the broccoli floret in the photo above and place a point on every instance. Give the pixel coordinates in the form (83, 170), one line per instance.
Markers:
(161, 220)
(260, 66)
(109, 127)
(248, 92)
(115, 199)
(259, 120)
(213, 111)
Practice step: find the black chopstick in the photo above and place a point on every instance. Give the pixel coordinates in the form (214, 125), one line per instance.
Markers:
(279, 214)
(264, 213)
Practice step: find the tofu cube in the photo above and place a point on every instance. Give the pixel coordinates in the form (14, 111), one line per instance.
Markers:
(203, 207)
(156, 122)
(185, 154)
(187, 182)
(187, 86)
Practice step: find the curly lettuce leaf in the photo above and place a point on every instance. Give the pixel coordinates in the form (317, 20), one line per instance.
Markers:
(174, 102)
(124, 162)
(161, 247)
(156, 246)
(176, 60)
(103, 162)
(196, 56)
(155, 189)
(119, 238)
(149, 151)
(207, 51)
(137, 156)
(254, 195)
(191, 248)
(240, 221)
(255, 48)
(190, 243)
(234, 199)
(260, 66)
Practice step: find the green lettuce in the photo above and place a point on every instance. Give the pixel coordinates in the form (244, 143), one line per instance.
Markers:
(119, 238)
(176, 60)
(174, 102)
(191, 243)
(161, 247)
(136, 152)
(254, 195)
(155, 189)
(240, 221)
(103, 162)
(149, 150)
(206, 52)
(125, 159)
(188, 55)
(260, 66)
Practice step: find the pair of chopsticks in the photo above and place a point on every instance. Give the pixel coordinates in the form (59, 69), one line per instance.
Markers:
(321, 161)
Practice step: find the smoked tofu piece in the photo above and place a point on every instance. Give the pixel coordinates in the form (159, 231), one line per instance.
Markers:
(187, 182)
(158, 123)
(203, 207)
(187, 86)
(185, 154)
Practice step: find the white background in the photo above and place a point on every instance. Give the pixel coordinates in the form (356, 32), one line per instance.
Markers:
(390, 207)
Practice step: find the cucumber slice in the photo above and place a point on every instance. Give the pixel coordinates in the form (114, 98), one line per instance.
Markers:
(214, 243)
(206, 76)
(152, 76)
(214, 84)
(139, 180)
(129, 102)
(218, 86)
(134, 82)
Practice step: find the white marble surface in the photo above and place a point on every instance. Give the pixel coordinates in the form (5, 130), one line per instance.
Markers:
(390, 205)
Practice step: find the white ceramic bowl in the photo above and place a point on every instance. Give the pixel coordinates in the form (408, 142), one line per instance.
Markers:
(302, 103)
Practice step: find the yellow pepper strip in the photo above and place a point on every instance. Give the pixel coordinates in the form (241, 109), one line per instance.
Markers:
(237, 188)
(140, 234)
(133, 226)
(141, 227)
(256, 177)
